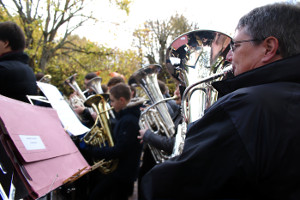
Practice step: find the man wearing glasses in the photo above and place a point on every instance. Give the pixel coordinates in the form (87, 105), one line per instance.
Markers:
(246, 146)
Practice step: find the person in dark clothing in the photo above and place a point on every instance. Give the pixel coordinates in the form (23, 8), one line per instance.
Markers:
(16, 77)
(127, 148)
(158, 141)
(16, 81)
(171, 104)
(246, 146)
(86, 115)
(112, 82)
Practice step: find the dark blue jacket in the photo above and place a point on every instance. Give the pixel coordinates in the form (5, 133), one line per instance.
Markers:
(16, 77)
(127, 148)
(246, 146)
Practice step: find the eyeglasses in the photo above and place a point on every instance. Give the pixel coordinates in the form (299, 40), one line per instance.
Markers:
(233, 43)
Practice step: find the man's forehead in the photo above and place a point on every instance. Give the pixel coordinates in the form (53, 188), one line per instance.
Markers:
(239, 34)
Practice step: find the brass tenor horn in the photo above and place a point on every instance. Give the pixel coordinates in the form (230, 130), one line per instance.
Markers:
(196, 59)
(100, 134)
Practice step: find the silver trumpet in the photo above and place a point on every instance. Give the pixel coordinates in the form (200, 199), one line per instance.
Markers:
(155, 117)
(196, 59)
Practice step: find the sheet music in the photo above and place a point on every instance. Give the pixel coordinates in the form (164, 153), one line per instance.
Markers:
(67, 116)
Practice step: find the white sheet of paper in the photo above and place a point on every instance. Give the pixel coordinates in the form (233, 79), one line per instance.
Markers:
(32, 142)
(66, 115)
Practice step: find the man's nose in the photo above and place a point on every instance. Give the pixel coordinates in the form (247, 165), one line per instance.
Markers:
(229, 56)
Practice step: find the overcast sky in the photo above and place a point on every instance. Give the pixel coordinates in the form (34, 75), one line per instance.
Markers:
(115, 28)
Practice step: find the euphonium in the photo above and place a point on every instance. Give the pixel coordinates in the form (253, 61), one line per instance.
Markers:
(196, 59)
(156, 117)
(100, 133)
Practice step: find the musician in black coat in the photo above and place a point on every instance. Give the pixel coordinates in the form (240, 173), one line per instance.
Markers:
(246, 146)
(158, 141)
(86, 116)
(127, 148)
(16, 77)
(162, 142)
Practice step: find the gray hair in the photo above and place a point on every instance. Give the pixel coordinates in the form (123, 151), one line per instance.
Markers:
(280, 20)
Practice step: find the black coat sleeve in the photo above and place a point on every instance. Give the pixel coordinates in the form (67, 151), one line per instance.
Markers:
(125, 139)
(158, 141)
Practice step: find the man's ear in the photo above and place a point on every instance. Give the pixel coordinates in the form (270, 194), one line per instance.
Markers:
(271, 45)
(6, 43)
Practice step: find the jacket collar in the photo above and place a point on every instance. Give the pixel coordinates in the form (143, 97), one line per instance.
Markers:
(15, 55)
(133, 109)
(284, 70)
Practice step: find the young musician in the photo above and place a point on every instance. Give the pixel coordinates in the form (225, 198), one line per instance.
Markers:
(246, 146)
(127, 149)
